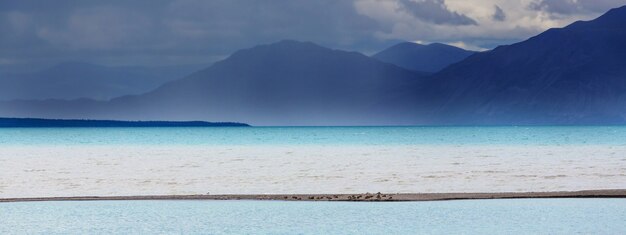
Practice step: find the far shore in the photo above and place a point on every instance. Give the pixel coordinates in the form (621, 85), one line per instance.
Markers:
(364, 197)
(59, 123)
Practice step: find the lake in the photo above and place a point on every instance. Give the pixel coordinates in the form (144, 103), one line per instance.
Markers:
(44, 162)
(515, 216)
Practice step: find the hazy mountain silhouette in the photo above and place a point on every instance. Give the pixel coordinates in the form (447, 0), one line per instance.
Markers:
(418, 57)
(285, 83)
(82, 80)
(570, 75)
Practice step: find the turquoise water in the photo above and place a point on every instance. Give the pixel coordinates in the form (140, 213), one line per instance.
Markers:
(515, 216)
(553, 136)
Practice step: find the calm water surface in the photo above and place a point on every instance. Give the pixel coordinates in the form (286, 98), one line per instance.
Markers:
(516, 216)
(554, 136)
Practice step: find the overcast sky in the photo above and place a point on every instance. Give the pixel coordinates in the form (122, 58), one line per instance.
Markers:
(157, 32)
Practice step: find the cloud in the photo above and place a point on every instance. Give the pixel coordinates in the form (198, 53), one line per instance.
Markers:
(173, 31)
(154, 32)
(435, 11)
(499, 14)
(556, 6)
(99, 28)
(466, 46)
(517, 22)
(560, 8)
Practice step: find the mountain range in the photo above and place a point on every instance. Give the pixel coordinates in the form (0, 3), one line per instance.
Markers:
(285, 83)
(570, 75)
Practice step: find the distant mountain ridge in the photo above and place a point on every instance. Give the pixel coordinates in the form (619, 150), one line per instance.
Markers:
(73, 80)
(284, 83)
(426, 58)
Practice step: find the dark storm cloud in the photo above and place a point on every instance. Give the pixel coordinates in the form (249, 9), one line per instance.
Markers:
(555, 6)
(152, 32)
(172, 31)
(435, 11)
(568, 7)
(499, 14)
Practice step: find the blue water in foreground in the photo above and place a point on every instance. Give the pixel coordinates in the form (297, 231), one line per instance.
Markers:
(552, 136)
(514, 216)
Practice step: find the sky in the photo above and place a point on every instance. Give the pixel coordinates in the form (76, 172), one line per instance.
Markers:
(169, 32)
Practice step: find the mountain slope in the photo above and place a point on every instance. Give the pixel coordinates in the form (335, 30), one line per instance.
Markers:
(82, 80)
(427, 58)
(571, 75)
(285, 83)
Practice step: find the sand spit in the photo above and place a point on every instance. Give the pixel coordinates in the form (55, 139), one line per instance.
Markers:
(366, 197)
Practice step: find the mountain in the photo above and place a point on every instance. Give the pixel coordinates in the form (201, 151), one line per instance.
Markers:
(570, 75)
(285, 83)
(82, 80)
(426, 58)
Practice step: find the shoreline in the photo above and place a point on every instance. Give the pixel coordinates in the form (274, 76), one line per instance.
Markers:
(7, 122)
(363, 197)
